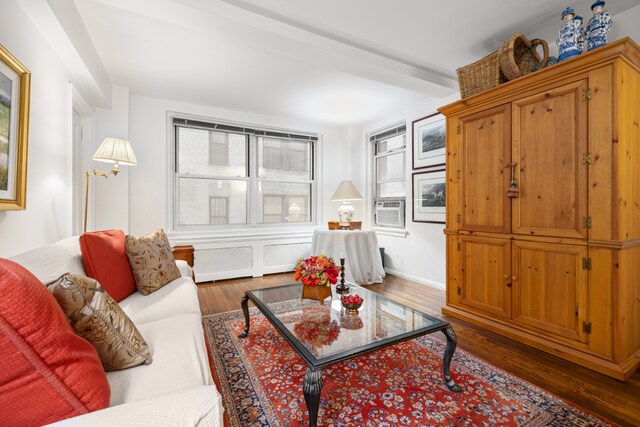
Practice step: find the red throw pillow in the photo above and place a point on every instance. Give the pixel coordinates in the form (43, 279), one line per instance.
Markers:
(105, 259)
(47, 372)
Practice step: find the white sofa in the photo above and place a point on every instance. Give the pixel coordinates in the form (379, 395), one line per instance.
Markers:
(177, 389)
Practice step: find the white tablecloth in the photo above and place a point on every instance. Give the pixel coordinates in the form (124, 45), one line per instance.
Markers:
(359, 248)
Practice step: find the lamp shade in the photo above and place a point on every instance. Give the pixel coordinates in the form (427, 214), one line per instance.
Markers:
(115, 150)
(346, 191)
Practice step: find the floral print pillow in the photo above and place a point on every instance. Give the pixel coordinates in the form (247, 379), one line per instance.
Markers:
(98, 318)
(152, 262)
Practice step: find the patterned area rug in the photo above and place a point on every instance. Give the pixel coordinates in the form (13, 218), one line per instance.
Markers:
(260, 379)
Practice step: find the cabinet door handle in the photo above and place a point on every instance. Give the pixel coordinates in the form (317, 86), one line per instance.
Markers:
(506, 277)
(513, 191)
(514, 278)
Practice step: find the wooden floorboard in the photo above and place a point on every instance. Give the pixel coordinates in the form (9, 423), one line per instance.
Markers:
(614, 400)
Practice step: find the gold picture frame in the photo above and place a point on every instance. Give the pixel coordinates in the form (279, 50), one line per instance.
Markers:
(15, 85)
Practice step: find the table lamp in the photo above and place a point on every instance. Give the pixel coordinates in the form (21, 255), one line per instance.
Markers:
(112, 150)
(346, 191)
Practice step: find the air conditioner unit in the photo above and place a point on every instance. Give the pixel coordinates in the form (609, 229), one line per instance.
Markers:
(389, 213)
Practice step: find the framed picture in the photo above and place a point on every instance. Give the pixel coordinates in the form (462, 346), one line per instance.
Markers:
(429, 137)
(429, 196)
(15, 82)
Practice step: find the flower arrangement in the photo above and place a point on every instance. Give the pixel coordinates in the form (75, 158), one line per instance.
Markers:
(316, 271)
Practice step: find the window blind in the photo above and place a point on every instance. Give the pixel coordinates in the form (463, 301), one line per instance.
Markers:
(240, 129)
(389, 133)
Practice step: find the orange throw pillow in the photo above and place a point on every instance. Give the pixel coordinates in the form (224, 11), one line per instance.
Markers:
(105, 259)
(47, 372)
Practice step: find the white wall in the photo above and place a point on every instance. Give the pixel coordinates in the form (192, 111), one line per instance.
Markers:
(48, 215)
(626, 24)
(111, 206)
(420, 254)
(230, 253)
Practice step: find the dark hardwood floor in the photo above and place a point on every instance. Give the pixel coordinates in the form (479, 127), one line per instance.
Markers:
(617, 401)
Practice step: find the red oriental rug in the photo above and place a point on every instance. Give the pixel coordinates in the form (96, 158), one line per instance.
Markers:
(260, 379)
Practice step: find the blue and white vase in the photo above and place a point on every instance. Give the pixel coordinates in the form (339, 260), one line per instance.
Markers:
(570, 35)
(598, 26)
(582, 34)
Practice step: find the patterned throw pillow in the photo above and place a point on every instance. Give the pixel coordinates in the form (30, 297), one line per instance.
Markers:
(98, 318)
(151, 261)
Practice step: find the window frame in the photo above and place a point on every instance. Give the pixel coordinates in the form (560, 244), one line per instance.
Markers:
(253, 132)
(374, 138)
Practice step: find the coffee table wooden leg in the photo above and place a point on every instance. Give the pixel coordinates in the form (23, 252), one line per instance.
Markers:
(245, 310)
(452, 342)
(312, 386)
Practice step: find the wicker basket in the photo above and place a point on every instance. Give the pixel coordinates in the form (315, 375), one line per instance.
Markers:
(518, 56)
(482, 75)
(316, 293)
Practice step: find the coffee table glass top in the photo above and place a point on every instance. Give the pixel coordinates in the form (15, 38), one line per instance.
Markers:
(325, 334)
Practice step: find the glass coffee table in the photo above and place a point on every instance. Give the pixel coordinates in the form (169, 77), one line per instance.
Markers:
(325, 334)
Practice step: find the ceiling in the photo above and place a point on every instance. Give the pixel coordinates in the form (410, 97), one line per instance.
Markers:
(332, 61)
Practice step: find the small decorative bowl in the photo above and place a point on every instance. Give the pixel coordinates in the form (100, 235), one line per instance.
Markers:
(351, 308)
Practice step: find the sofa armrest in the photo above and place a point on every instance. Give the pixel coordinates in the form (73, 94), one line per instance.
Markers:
(198, 406)
(185, 269)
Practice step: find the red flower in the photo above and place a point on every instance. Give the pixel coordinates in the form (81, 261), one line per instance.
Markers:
(332, 274)
(316, 271)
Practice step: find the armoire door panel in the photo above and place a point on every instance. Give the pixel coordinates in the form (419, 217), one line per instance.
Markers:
(486, 279)
(550, 288)
(485, 172)
(549, 141)
(453, 269)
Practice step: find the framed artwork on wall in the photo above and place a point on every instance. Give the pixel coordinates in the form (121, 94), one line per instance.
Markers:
(429, 138)
(15, 82)
(429, 196)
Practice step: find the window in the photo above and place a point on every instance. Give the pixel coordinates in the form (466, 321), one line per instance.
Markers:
(285, 177)
(199, 179)
(389, 169)
(229, 175)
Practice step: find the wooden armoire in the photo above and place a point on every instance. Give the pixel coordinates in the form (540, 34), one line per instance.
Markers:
(557, 266)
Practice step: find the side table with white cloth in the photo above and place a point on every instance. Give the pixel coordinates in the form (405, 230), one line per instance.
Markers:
(360, 249)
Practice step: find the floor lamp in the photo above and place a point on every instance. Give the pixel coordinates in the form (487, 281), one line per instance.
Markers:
(112, 150)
